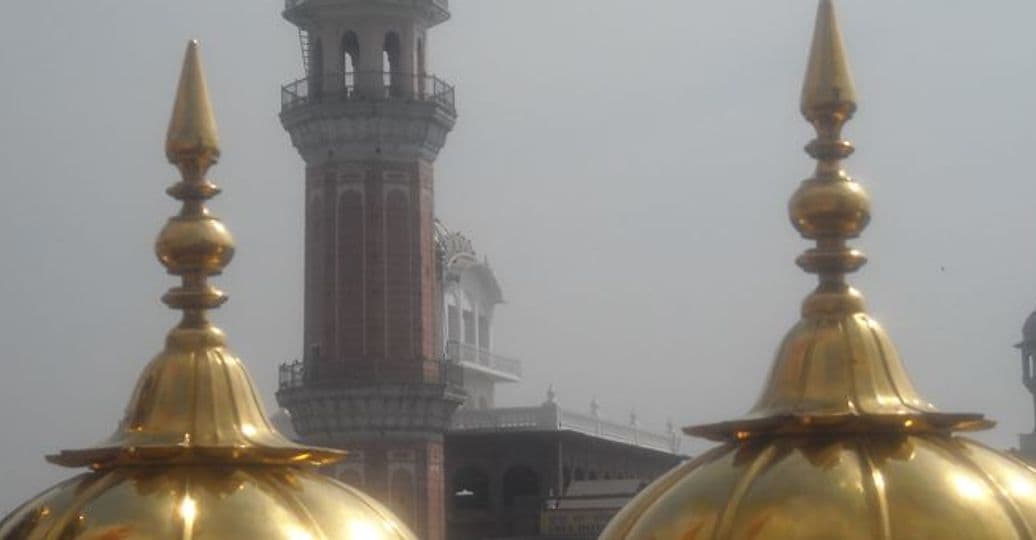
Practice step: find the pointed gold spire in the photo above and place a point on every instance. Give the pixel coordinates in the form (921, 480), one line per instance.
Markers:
(192, 129)
(829, 82)
(836, 369)
(194, 403)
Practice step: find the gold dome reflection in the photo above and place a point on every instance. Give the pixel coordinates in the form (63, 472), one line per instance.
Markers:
(968, 487)
(1021, 487)
(189, 512)
(364, 530)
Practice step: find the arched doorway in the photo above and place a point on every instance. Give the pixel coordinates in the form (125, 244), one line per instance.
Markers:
(580, 474)
(521, 487)
(470, 489)
(401, 487)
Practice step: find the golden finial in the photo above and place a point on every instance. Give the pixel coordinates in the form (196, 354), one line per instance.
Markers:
(193, 244)
(839, 445)
(836, 366)
(194, 402)
(830, 208)
(192, 128)
(829, 83)
(195, 456)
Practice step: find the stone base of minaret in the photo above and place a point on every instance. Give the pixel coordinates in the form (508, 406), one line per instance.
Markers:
(393, 434)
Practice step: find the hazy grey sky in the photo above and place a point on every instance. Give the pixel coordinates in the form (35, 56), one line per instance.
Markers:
(625, 166)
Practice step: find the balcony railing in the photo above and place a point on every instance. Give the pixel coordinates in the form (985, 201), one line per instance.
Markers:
(441, 4)
(367, 86)
(465, 353)
(550, 417)
(301, 373)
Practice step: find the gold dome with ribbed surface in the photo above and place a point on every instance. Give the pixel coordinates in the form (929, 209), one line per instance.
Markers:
(195, 456)
(840, 445)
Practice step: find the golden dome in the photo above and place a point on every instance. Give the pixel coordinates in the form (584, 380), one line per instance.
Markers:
(195, 456)
(231, 501)
(840, 445)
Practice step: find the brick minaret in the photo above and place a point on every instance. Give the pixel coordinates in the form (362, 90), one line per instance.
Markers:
(369, 121)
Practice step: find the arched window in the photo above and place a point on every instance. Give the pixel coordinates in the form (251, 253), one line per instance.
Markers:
(521, 487)
(392, 66)
(350, 284)
(398, 283)
(350, 51)
(470, 489)
(401, 488)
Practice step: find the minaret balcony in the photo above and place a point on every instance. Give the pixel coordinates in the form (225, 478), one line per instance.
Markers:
(368, 86)
(310, 372)
(438, 10)
(473, 357)
(289, 4)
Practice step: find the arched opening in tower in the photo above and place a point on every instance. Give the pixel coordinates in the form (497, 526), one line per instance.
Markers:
(350, 51)
(391, 62)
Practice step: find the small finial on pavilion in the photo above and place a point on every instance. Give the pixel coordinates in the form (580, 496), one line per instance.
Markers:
(595, 407)
(552, 397)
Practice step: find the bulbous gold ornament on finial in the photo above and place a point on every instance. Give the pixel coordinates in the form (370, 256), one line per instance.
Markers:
(193, 244)
(839, 444)
(195, 455)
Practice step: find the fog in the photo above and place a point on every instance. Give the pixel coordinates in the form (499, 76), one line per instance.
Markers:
(624, 165)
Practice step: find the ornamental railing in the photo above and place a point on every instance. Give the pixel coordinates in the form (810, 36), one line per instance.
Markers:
(473, 355)
(550, 417)
(357, 86)
(441, 4)
(321, 374)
